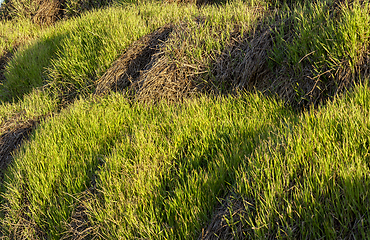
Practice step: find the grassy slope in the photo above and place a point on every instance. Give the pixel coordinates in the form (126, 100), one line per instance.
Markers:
(157, 171)
(311, 179)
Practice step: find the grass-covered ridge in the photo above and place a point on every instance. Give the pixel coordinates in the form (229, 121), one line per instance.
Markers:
(128, 169)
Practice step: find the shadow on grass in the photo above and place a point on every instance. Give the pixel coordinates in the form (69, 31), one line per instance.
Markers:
(27, 69)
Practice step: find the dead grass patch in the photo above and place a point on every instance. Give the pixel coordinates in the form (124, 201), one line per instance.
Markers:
(127, 71)
(13, 132)
(79, 227)
(148, 73)
(48, 12)
(244, 64)
(226, 222)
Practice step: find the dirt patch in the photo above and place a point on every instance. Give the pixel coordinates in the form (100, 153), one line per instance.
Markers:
(226, 222)
(13, 133)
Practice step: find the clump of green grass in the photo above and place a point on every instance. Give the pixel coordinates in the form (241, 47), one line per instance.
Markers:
(157, 170)
(326, 32)
(16, 33)
(163, 166)
(33, 105)
(325, 41)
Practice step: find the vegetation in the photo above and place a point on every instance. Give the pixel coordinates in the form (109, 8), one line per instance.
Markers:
(289, 163)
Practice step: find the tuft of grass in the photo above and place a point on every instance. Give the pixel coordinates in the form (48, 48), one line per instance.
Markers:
(326, 35)
(16, 33)
(33, 105)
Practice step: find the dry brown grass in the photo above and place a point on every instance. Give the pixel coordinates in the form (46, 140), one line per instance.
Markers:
(143, 70)
(243, 65)
(148, 74)
(79, 227)
(49, 12)
(13, 132)
(226, 222)
(5, 11)
(151, 69)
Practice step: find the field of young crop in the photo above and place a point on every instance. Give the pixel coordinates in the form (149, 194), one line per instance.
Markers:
(185, 120)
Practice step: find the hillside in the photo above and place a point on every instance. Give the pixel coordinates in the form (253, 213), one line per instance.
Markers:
(184, 120)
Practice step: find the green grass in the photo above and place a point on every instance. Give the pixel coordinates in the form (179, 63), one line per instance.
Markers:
(16, 33)
(324, 36)
(164, 164)
(310, 180)
(71, 56)
(34, 105)
(157, 171)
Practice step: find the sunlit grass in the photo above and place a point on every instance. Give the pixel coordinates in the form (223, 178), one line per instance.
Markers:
(324, 35)
(311, 179)
(163, 166)
(71, 56)
(158, 171)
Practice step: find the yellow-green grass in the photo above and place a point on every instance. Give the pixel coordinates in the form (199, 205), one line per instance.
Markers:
(16, 33)
(34, 105)
(159, 169)
(72, 55)
(325, 35)
(310, 180)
